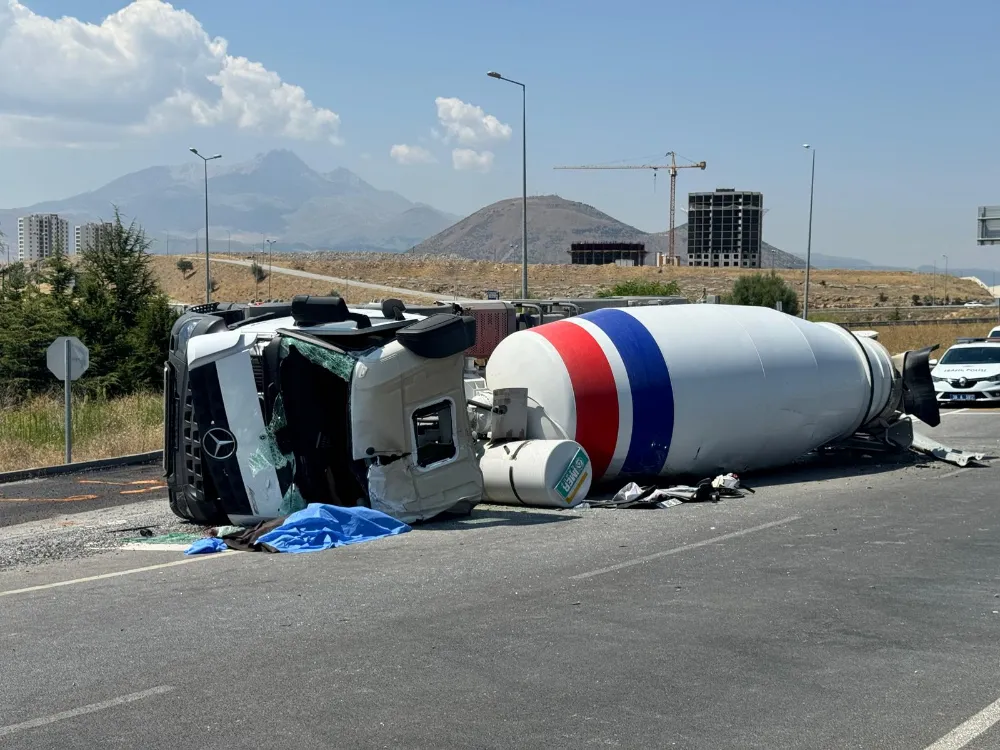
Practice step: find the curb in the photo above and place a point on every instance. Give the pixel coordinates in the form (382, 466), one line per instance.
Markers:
(101, 463)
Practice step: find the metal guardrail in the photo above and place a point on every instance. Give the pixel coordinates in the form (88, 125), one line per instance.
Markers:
(928, 322)
(135, 459)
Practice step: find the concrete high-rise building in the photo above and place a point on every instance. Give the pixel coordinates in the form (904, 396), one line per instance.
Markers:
(725, 228)
(38, 235)
(88, 235)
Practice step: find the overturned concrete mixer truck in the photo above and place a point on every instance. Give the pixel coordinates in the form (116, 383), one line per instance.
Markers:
(423, 411)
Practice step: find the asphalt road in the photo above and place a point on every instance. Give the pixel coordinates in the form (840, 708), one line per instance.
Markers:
(857, 609)
(35, 499)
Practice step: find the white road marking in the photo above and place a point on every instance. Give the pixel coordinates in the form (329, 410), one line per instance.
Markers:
(147, 547)
(953, 473)
(685, 548)
(965, 733)
(116, 574)
(92, 708)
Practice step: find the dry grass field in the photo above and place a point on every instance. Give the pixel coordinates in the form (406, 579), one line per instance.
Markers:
(899, 339)
(31, 434)
(445, 278)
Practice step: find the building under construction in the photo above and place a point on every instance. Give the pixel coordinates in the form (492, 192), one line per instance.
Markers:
(604, 253)
(725, 228)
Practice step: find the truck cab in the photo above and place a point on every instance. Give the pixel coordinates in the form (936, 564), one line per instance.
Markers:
(268, 409)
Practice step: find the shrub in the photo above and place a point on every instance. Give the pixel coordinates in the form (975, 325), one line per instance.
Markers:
(640, 288)
(763, 290)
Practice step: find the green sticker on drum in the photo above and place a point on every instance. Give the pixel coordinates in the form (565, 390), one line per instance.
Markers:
(573, 476)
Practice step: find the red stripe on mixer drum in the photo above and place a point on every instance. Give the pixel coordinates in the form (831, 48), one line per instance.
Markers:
(593, 389)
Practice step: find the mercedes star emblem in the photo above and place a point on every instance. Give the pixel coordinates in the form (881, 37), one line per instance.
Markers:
(219, 443)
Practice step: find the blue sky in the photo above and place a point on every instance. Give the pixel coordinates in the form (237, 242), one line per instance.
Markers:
(895, 95)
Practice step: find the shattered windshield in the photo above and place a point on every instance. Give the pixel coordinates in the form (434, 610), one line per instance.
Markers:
(972, 355)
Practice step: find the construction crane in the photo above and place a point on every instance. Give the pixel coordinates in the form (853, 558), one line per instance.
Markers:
(673, 166)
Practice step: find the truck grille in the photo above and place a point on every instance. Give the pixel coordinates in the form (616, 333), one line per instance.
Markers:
(192, 446)
(258, 372)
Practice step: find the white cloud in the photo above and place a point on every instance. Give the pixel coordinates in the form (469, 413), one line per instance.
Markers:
(467, 159)
(148, 67)
(469, 124)
(404, 154)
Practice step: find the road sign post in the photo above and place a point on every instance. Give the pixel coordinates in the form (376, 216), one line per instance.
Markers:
(67, 359)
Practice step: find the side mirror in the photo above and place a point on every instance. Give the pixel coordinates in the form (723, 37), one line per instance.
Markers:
(932, 363)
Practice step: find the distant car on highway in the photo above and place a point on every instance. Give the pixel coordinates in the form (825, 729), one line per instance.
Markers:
(969, 372)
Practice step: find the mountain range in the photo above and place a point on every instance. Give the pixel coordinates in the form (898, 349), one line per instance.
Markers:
(275, 194)
(278, 195)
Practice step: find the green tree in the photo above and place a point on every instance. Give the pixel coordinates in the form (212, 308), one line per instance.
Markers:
(121, 314)
(148, 343)
(28, 324)
(60, 274)
(16, 280)
(185, 266)
(763, 290)
(119, 263)
(258, 272)
(641, 288)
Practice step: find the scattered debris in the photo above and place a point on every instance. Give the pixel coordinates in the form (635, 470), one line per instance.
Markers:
(929, 447)
(707, 490)
(145, 531)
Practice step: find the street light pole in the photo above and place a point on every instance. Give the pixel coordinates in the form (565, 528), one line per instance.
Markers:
(809, 242)
(524, 180)
(208, 273)
(270, 258)
(946, 300)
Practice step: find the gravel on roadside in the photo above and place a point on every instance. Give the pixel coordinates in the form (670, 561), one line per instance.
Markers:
(77, 535)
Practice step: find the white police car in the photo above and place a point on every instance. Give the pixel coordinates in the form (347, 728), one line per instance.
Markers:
(969, 372)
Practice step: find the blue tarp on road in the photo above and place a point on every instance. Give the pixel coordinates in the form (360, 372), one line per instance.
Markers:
(320, 526)
(206, 546)
(316, 527)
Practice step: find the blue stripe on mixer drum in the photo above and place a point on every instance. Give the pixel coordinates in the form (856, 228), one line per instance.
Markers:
(649, 382)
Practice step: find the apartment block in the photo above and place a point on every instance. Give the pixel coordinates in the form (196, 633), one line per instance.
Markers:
(89, 235)
(38, 235)
(725, 229)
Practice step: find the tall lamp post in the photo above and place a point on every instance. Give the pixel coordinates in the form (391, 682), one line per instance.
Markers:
(946, 300)
(809, 241)
(208, 273)
(524, 181)
(270, 257)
